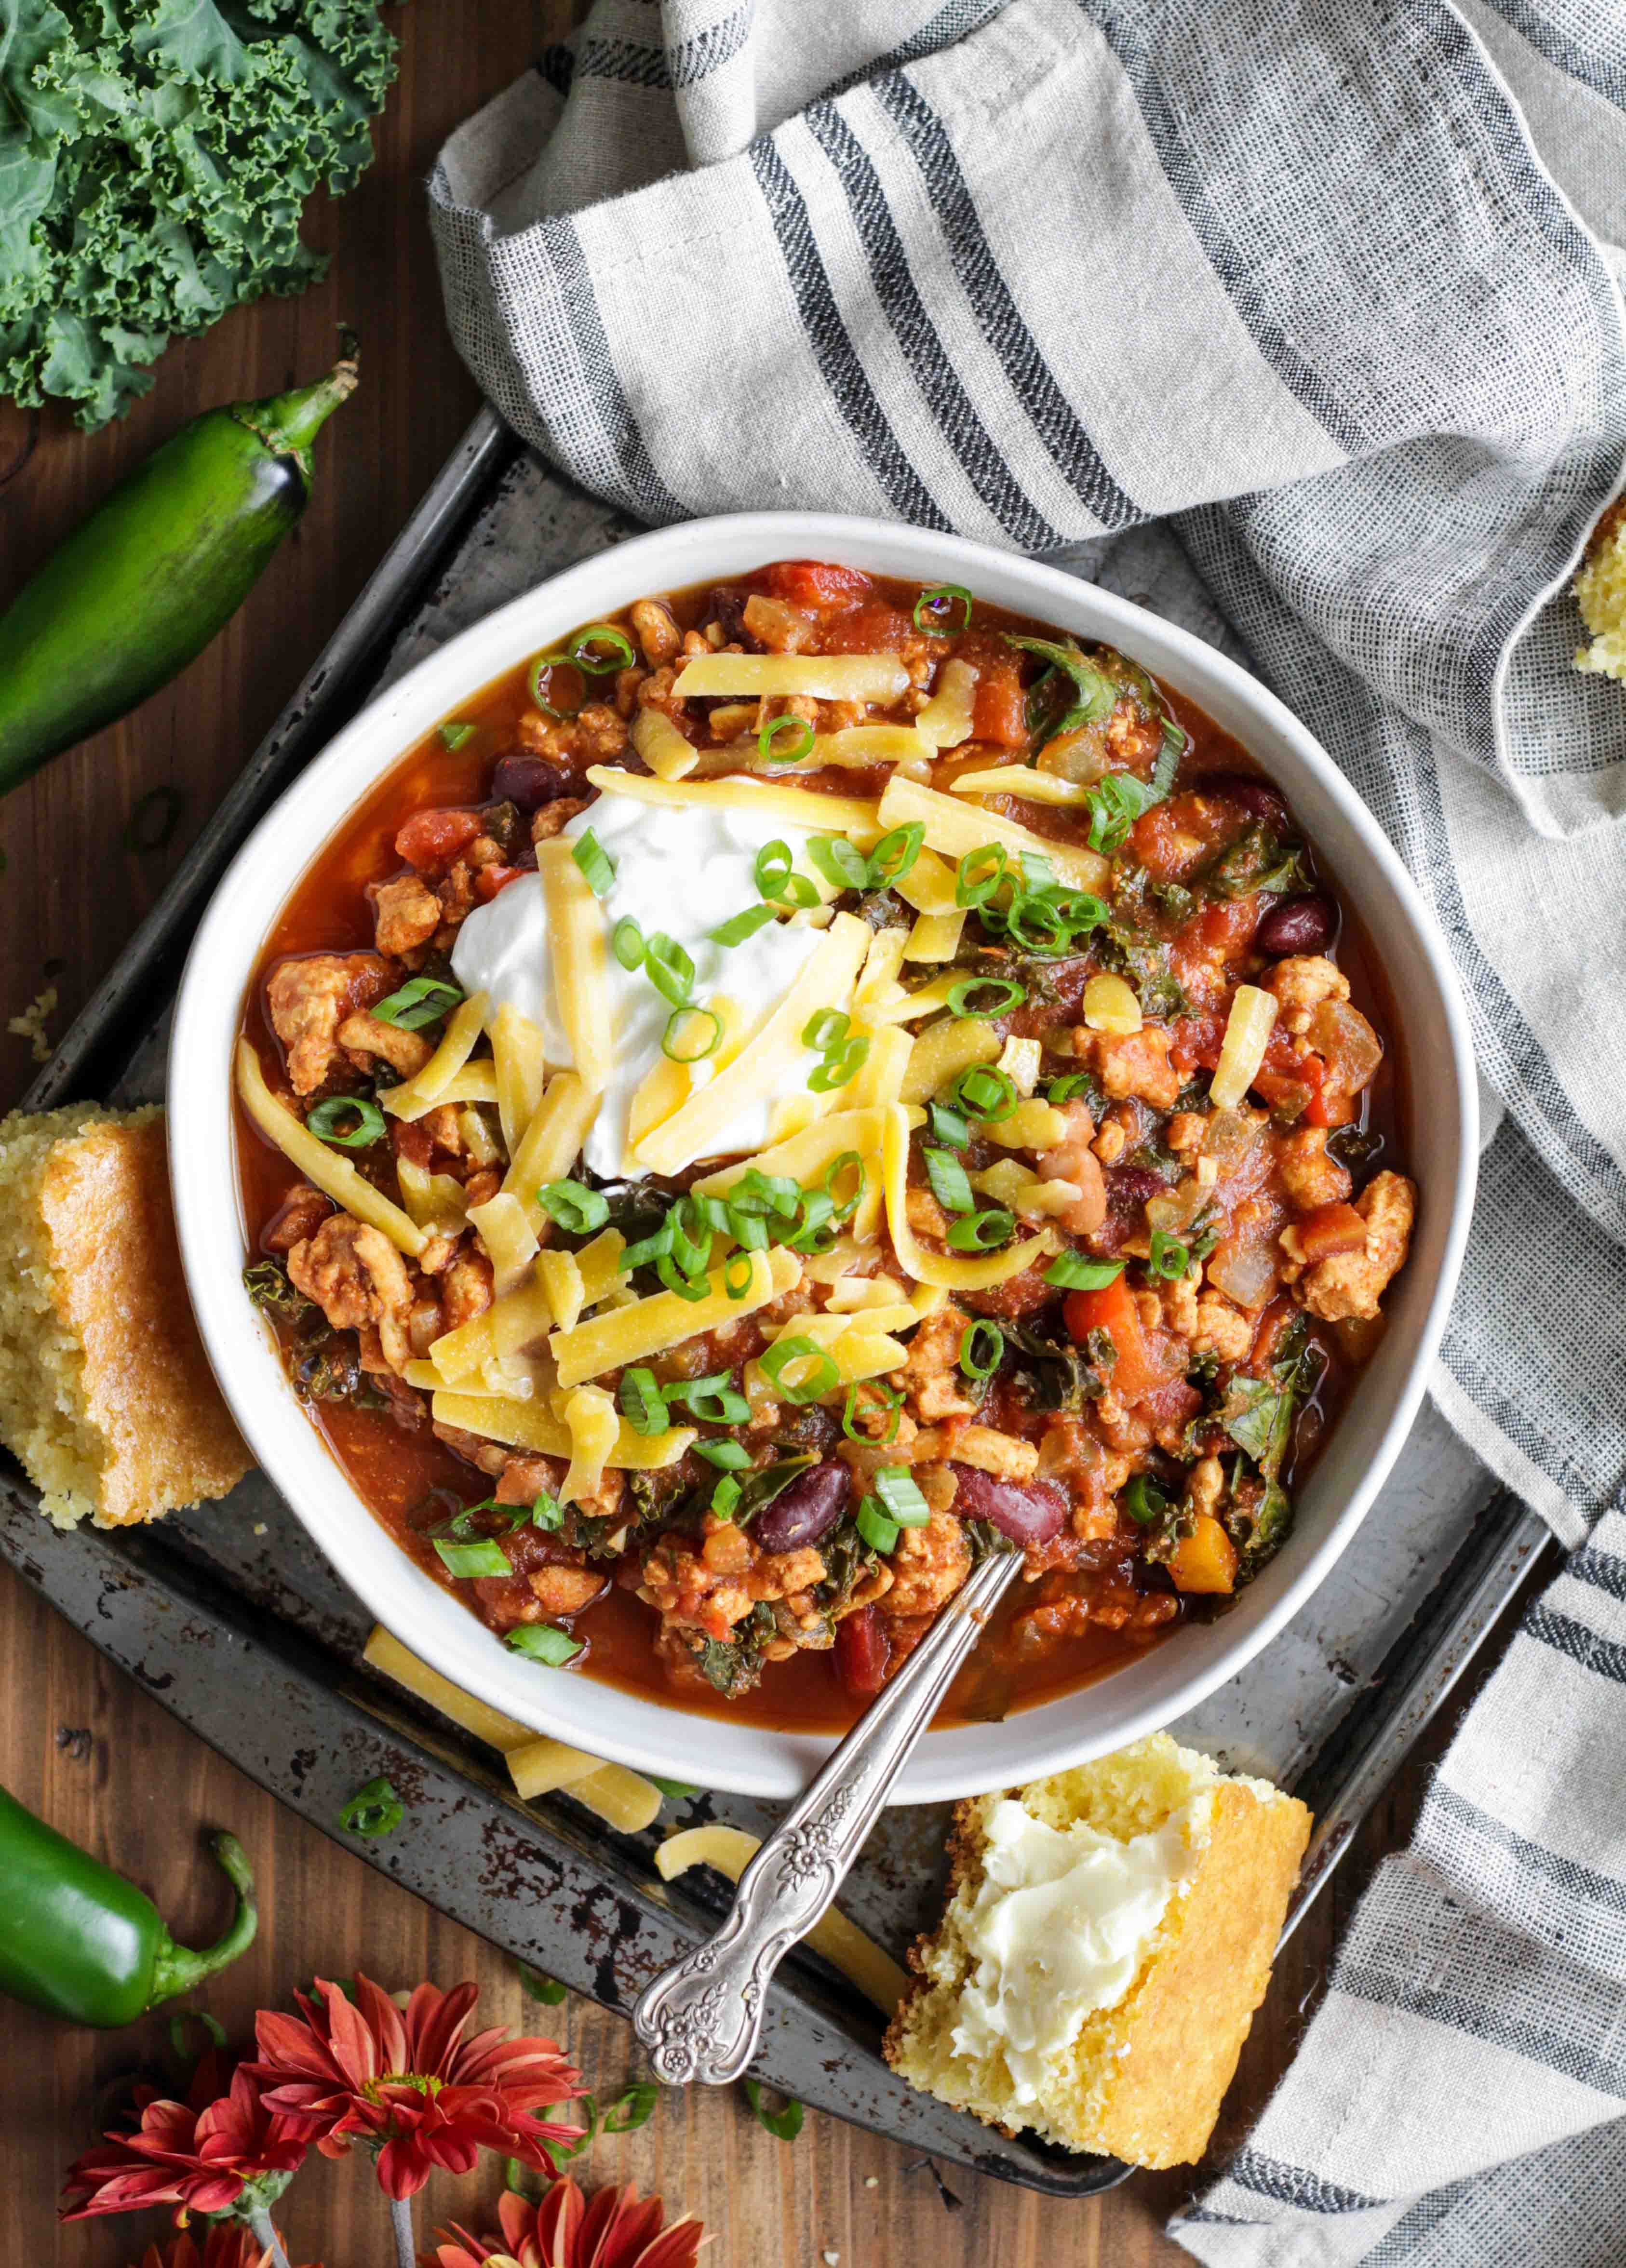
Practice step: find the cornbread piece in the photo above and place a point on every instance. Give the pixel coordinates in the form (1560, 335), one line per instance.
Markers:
(105, 1393)
(1107, 1936)
(1601, 594)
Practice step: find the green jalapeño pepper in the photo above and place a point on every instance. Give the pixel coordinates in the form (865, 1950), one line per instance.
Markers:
(163, 562)
(79, 1941)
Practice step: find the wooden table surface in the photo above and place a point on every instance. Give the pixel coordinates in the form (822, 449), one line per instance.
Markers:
(79, 1741)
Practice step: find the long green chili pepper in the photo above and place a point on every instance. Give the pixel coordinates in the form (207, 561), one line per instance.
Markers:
(160, 566)
(79, 1941)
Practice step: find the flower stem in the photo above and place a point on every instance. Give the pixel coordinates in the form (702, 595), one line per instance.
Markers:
(260, 2221)
(401, 2221)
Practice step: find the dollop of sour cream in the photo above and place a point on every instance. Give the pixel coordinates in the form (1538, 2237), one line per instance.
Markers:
(682, 869)
(1058, 1929)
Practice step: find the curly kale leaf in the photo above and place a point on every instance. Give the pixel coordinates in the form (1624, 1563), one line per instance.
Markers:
(154, 159)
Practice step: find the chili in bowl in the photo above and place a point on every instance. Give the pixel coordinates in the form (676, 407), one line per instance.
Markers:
(812, 1073)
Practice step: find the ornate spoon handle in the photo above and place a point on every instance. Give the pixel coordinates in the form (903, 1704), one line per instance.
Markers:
(700, 2019)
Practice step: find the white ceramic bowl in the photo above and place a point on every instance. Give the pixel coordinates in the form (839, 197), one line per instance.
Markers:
(712, 1749)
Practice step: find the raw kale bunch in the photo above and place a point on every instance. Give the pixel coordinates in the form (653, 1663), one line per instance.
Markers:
(155, 156)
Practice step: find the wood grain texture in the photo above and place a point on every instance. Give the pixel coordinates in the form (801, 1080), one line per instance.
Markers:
(84, 1745)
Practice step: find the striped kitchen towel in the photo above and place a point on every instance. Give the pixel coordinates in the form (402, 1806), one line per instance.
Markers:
(1331, 284)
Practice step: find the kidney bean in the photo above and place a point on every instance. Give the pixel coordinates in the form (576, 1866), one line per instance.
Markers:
(862, 1652)
(1256, 797)
(1302, 924)
(1028, 1511)
(808, 1509)
(529, 782)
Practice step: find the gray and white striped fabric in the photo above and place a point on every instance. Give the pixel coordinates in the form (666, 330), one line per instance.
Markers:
(1331, 284)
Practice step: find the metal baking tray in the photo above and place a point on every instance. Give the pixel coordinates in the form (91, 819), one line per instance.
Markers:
(236, 1624)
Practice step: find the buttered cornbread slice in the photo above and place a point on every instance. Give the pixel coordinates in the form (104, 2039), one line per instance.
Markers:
(1107, 1936)
(105, 1394)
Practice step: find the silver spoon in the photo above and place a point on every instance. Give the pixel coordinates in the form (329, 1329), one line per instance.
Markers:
(702, 2018)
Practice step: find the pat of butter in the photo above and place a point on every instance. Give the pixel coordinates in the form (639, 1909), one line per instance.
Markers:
(1059, 1928)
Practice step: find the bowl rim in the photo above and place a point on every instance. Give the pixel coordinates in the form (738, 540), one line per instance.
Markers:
(742, 1758)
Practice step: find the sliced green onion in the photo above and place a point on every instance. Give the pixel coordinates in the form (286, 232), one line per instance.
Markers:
(649, 1248)
(1168, 1257)
(669, 969)
(1063, 1090)
(546, 1512)
(895, 855)
(979, 874)
(841, 1069)
(717, 1400)
(597, 865)
(985, 1093)
(374, 1810)
(642, 1404)
(739, 1275)
(934, 610)
(815, 1228)
(777, 881)
(684, 1027)
(949, 1184)
(841, 862)
(573, 1206)
(627, 944)
(726, 1496)
(1115, 805)
(739, 927)
(776, 1360)
(983, 1232)
(825, 1030)
(587, 650)
(483, 1558)
(421, 1000)
(879, 1532)
(679, 1789)
(536, 1986)
(632, 2108)
(896, 1488)
(694, 1289)
(890, 1400)
(727, 1455)
(801, 732)
(784, 2125)
(981, 1349)
(542, 1642)
(1007, 993)
(848, 1162)
(949, 1126)
(455, 736)
(1071, 1272)
(1143, 1501)
(541, 670)
(328, 1117)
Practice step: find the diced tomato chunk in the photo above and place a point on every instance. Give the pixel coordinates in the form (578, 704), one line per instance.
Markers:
(1196, 1039)
(862, 1652)
(1330, 1230)
(1267, 1335)
(1113, 1310)
(490, 880)
(430, 840)
(875, 628)
(816, 583)
(999, 712)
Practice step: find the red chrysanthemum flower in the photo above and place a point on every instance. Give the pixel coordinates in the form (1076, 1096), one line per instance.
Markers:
(202, 2155)
(407, 2083)
(618, 2230)
(227, 2244)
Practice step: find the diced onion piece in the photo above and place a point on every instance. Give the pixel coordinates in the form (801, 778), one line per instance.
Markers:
(945, 720)
(826, 981)
(531, 1425)
(1109, 1005)
(385, 1653)
(1019, 779)
(954, 826)
(798, 807)
(576, 951)
(935, 937)
(879, 677)
(653, 1326)
(946, 1269)
(552, 1142)
(880, 1075)
(1020, 1061)
(517, 1054)
(929, 886)
(566, 1293)
(841, 1942)
(1247, 1035)
(510, 1240)
(944, 1050)
(1032, 1125)
(333, 1175)
(519, 1319)
(435, 1200)
(590, 1418)
(662, 747)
